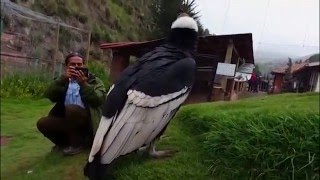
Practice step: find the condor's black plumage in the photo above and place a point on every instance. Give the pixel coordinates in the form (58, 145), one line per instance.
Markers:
(162, 71)
(147, 95)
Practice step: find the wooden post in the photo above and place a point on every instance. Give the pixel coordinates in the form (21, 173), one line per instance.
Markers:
(88, 47)
(237, 84)
(4, 70)
(238, 87)
(227, 59)
(312, 78)
(225, 83)
(229, 52)
(238, 62)
(56, 51)
(119, 62)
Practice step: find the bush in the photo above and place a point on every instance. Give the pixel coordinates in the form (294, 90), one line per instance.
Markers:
(31, 84)
(50, 7)
(82, 17)
(245, 141)
(100, 34)
(100, 70)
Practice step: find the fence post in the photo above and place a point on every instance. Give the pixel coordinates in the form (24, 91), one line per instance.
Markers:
(56, 51)
(37, 63)
(88, 47)
(60, 68)
(4, 70)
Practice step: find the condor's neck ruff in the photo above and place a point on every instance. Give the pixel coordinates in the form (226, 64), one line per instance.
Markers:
(184, 33)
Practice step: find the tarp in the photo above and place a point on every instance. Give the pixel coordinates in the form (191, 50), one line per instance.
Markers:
(244, 72)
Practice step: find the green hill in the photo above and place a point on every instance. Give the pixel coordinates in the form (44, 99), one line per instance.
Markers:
(107, 20)
(110, 20)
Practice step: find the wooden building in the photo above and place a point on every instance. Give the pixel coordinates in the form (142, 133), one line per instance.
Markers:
(234, 49)
(306, 76)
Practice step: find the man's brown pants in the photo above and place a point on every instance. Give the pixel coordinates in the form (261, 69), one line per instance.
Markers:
(73, 129)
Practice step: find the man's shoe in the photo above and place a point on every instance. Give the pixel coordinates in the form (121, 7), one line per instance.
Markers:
(69, 151)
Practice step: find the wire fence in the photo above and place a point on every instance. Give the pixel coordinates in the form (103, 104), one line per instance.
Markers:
(32, 41)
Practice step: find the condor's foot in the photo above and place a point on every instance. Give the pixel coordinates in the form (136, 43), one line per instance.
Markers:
(160, 154)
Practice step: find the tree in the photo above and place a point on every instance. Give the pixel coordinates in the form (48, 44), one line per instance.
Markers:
(166, 11)
(257, 70)
(288, 78)
(206, 32)
(189, 7)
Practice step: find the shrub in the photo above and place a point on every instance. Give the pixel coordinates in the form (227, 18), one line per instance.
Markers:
(100, 70)
(100, 34)
(33, 84)
(270, 138)
(30, 84)
(82, 17)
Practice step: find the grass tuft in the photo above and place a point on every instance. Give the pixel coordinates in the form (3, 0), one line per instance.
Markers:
(271, 138)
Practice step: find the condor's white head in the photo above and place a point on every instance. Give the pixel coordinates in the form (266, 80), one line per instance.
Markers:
(185, 22)
(184, 32)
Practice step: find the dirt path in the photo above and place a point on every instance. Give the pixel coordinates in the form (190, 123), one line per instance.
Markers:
(248, 94)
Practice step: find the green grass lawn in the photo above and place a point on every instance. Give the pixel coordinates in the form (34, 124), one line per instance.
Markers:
(191, 132)
(30, 151)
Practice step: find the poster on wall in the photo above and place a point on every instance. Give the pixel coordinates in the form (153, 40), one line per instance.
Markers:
(244, 72)
(226, 69)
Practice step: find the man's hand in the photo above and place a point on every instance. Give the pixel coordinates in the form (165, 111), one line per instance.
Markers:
(79, 76)
(71, 72)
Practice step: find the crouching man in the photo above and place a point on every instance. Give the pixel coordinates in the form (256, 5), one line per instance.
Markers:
(78, 95)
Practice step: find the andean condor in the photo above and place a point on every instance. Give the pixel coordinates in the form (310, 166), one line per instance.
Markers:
(144, 99)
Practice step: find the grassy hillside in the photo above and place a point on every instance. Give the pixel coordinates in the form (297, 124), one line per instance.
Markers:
(107, 20)
(272, 137)
(110, 20)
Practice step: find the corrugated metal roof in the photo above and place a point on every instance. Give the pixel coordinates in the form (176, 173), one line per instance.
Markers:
(295, 68)
(309, 61)
(314, 64)
(117, 45)
(214, 45)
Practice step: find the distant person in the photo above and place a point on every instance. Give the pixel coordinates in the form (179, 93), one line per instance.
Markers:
(78, 95)
(253, 82)
(249, 85)
(258, 84)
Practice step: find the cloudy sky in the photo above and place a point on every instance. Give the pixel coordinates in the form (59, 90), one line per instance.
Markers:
(280, 28)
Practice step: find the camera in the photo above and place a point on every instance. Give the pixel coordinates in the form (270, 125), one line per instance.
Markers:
(84, 70)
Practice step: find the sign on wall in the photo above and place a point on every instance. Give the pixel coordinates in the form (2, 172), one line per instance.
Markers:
(244, 72)
(226, 69)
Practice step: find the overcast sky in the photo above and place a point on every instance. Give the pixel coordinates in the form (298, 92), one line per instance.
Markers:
(282, 27)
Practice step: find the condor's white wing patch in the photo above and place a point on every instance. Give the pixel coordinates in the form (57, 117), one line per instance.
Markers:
(110, 89)
(135, 126)
(142, 100)
(101, 131)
